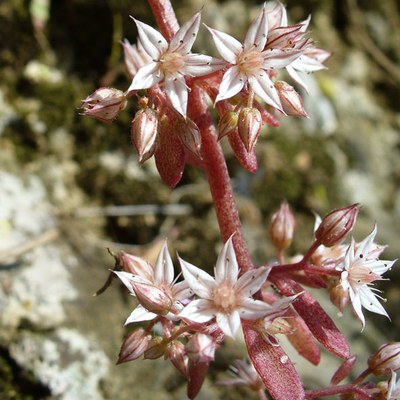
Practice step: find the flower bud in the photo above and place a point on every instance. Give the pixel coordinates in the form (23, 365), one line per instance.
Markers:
(249, 126)
(339, 297)
(134, 56)
(134, 345)
(344, 370)
(386, 359)
(144, 130)
(201, 348)
(189, 134)
(282, 227)
(175, 351)
(290, 99)
(104, 104)
(156, 348)
(151, 297)
(335, 225)
(227, 123)
(135, 265)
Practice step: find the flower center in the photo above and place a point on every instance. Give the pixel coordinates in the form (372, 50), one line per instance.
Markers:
(250, 61)
(224, 297)
(171, 63)
(359, 274)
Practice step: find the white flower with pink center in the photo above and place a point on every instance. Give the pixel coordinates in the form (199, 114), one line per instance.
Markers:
(227, 297)
(250, 63)
(171, 62)
(359, 269)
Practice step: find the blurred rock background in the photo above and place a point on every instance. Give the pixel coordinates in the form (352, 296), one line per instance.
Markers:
(59, 170)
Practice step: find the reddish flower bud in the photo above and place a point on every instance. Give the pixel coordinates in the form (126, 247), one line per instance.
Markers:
(249, 126)
(144, 130)
(343, 371)
(175, 351)
(136, 266)
(134, 345)
(282, 227)
(201, 348)
(104, 104)
(156, 348)
(189, 134)
(336, 225)
(386, 359)
(152, 297)
(290, 99)
(339, 297)
(227, 123)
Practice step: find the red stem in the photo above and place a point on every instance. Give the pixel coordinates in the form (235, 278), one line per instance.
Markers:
(335, 390)
(213, 157)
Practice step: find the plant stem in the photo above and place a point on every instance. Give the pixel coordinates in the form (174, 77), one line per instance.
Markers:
(213, 157)
(335, 390)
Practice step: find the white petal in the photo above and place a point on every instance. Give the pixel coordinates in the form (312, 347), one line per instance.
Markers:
(251, 281)
(305, 24)
(198, 280)
(152, 41)
(276, 13)
(140, 314)
(370, 302)
(182, 291)
(232, 83)
(295, 76)
(199, 311)
(257, 33)
(356, 303)
(379, 267)
(277, 59)
(227, 269)
(177, 93)
(126, 279)
(264, 88)
(253, 309)
(229, 323)
(146, 77)
(164, 268)
(349, 257)
(183, 40)
(307, 64)
(227, 46)
(199, 64)
(364, 246)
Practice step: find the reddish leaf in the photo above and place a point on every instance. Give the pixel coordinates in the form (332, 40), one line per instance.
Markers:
(247, 160)
(170, 157)
(197, 374)
(302, 339)
(319, 322)
(274, 367)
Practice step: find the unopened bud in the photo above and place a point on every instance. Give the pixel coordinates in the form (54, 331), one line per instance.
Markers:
(339, 297)
(156, 348)
(249, 126)
(134, 345)
(343, 371)
(104, 104)
(144, 133)
(386, 359)
(189, 134)
(278, 325)
(227, 123)
(290, 99)
(201, 348)
(135, 56)
(136, 266)
(152, 297)
(282, 227)
(175, 351)
(336, 225)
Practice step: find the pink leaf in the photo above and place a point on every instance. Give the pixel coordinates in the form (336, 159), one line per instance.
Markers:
(319, 322)
(273, 365)
(247, 160)
(197, 374)
(170, 157)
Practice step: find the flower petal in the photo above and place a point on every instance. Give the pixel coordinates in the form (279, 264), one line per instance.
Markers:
(183, 40)
(253, 309)
(276, 13)
(356, 303)
(370, 302)
(257, 33)
(199, 310)
(164, 268)
(296, 77)
(182, 291)
(227, 46)
(277, 59)
(251, 281)
(232, 83)
(126, 279)
(177, 93)
(198, 280)
(199, 64)
(229, 323)
(152, 41)
(306, 63)
(264, 88)
(227, 269)
(140, 314)
(364, 247)
(146, 77)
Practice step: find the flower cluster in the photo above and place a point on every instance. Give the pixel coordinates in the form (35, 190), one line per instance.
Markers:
(243, 85)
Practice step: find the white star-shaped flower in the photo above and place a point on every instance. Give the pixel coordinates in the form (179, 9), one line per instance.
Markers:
(226, 297)
(171, 62)
(359, 269)
(250, 63)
